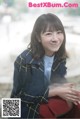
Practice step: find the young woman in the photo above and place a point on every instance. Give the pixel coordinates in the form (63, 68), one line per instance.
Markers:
(39, 73)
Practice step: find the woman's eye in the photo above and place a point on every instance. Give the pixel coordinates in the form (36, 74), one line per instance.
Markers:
(58, 32)
(48, 34)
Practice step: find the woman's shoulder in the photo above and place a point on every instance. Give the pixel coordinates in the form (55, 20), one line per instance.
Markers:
(24, 57)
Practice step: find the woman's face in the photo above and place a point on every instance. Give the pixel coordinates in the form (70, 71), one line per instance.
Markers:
(51, 41)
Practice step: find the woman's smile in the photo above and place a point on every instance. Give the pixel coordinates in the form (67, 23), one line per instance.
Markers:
(54, 43)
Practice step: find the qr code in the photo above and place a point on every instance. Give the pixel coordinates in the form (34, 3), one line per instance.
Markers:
(11, 107)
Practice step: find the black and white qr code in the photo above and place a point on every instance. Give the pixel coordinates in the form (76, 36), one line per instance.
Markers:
(11, 107)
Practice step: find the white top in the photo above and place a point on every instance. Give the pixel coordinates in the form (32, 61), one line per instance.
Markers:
(48, 61)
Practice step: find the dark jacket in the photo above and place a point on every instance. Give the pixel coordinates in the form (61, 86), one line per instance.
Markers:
(30, 85)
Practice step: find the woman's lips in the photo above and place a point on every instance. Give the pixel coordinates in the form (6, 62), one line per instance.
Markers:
(54, 43)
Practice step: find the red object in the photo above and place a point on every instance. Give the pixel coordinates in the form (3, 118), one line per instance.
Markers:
(59, 108)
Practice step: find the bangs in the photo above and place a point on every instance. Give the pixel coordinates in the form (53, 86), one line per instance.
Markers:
(51, 27)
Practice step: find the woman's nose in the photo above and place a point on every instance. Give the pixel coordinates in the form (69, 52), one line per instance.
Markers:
(54, 36)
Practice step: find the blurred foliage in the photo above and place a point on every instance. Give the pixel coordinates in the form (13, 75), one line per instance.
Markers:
(9, 2)
(14, 8)
(1, 1)
(18, 5)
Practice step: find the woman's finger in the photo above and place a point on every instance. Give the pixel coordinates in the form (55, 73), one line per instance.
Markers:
(69, 84)
(72, 97)
(72, 91)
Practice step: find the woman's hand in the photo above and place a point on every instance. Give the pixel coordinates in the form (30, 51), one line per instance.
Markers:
(65, 91)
